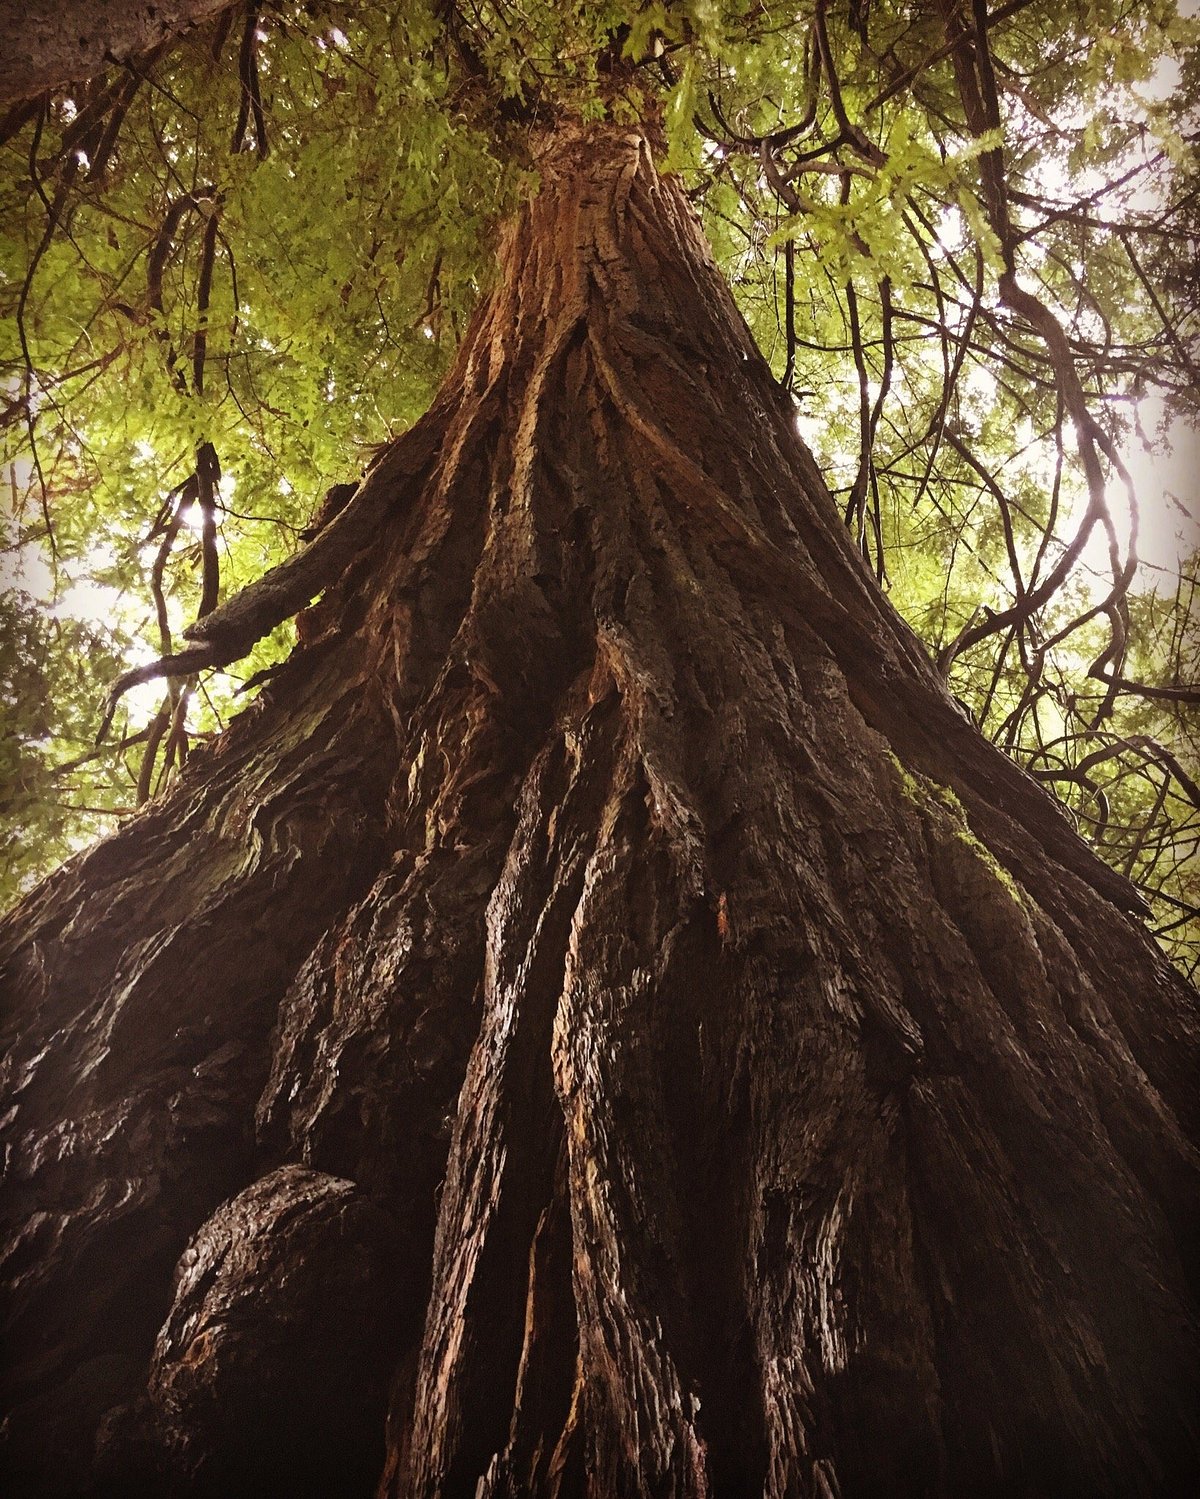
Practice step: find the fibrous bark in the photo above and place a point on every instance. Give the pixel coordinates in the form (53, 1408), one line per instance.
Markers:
(50, 43)
(767, 1089)
(271, 1372)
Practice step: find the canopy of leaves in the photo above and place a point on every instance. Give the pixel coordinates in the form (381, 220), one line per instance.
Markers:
(963, 235)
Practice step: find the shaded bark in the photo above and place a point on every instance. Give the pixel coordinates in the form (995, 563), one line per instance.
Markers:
(271, 1372)
(766, 1089)
(51, 43)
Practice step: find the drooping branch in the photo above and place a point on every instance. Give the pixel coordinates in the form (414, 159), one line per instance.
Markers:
(971, 54)
(250, 104)
(233, 629)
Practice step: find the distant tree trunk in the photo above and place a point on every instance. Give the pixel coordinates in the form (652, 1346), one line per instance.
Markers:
(50, 43)
(605, 1021)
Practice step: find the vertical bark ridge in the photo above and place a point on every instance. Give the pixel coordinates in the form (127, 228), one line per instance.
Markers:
(927, 1122)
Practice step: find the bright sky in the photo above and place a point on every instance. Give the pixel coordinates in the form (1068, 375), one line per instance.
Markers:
(1168, 492)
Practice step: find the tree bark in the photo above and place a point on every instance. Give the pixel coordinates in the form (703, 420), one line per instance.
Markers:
(51, 43)
(606, 946)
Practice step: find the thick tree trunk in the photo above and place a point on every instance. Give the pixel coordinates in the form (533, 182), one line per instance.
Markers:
(603, 1004)
(51, 43)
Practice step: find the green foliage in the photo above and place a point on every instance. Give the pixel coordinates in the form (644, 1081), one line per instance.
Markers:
(51, 805)
(846, 174)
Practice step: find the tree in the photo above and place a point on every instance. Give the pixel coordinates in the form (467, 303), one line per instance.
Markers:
(59, 43)
(604, 1008)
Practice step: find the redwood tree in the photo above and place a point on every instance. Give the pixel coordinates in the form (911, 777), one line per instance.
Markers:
(603, 1021)
(54, 42)
(812, 1118)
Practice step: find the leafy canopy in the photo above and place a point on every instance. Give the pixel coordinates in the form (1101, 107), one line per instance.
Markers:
(963, 234)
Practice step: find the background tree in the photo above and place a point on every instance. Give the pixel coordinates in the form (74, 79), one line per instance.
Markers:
(803, 1059)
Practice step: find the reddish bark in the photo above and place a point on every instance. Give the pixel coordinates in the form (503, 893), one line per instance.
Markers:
(812, 1118)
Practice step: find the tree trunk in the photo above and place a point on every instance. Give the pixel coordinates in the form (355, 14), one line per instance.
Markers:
(604, 1021)
(51, 43)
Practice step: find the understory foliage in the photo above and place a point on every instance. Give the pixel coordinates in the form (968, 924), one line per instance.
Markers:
(963, 235)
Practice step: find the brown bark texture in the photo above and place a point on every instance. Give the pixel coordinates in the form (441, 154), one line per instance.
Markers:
(603, 1022)
(51, 43)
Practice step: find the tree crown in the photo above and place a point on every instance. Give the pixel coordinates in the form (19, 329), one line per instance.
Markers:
(963, 235)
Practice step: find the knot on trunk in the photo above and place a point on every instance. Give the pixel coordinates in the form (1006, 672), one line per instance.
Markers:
(270, 1374)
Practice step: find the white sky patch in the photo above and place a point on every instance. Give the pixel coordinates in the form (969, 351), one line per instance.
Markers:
(1162, 82)
(97, 603)
(978, 385)
(1168, 490)
(1166, 484)
(142, 702)
(101, 605)
(192, 518)
(951, 229)
(78, 594)
(809, 429)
